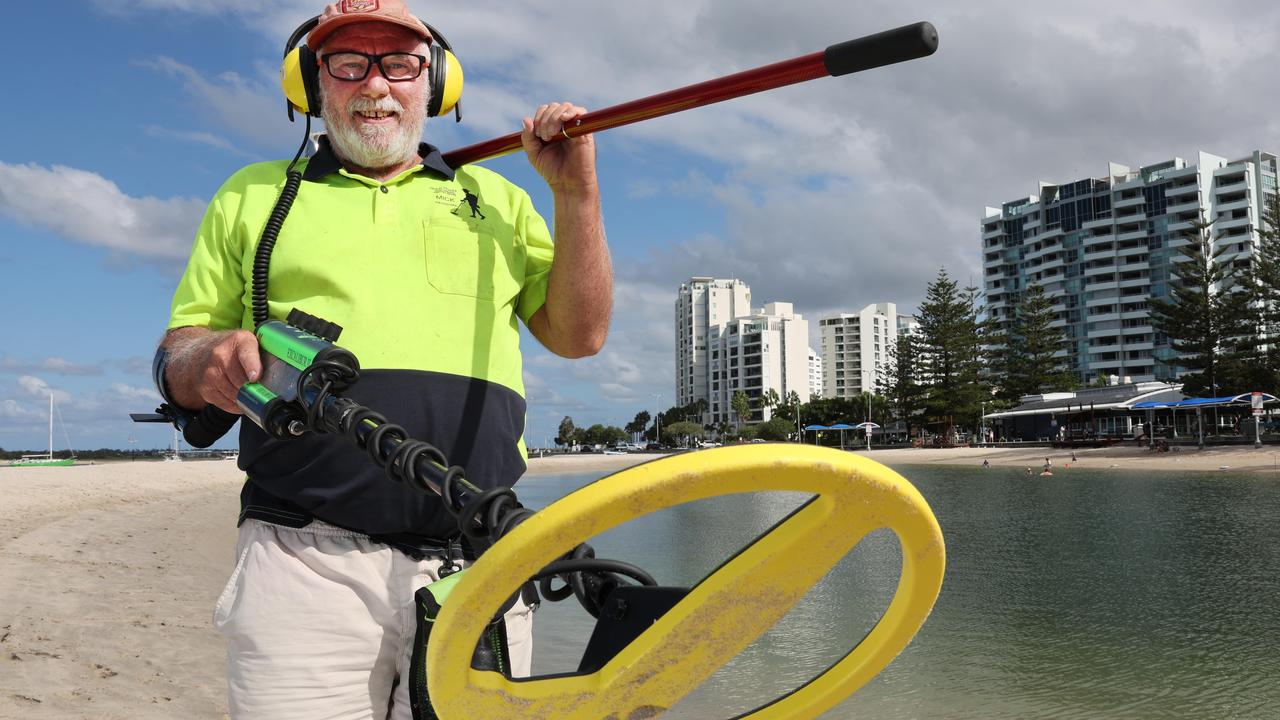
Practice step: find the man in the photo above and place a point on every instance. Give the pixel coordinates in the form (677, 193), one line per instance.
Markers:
(382, 241)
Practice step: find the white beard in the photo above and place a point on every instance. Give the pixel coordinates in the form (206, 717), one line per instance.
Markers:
(373, 147)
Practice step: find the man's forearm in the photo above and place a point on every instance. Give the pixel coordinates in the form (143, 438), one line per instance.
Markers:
(580, 288)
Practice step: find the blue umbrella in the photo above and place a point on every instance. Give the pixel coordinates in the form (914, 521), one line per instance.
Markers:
(815, 429)
(841, 427)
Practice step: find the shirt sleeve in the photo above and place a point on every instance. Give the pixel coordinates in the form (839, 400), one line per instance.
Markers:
(211, 292)
(539, 252)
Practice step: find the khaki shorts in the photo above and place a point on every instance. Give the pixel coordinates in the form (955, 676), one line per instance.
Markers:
(320, 624)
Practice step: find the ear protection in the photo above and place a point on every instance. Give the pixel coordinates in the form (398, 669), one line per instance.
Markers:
(300, 75)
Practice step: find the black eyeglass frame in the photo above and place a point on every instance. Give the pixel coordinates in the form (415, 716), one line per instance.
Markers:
(375, 60)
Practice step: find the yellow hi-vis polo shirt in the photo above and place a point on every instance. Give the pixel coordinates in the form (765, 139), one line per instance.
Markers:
(427, 274)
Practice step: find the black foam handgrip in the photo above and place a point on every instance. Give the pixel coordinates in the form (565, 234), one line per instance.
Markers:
(885, 48)
(207, 427)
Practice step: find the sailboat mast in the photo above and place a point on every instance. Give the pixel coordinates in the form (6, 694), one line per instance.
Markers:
(51, 424)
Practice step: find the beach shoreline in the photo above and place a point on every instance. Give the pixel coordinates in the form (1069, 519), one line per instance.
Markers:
(109, 572)
(1239, 458)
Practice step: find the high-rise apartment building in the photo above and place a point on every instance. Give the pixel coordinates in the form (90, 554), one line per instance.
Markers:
(815, 377)
(854, 347)
(703, 303)
(1102, 247)
(908, 325)
(767, 350)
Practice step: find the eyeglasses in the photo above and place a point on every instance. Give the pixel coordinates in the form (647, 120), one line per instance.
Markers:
(354, 66)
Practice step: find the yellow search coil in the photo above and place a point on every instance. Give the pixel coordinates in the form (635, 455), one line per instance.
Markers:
(721, 615)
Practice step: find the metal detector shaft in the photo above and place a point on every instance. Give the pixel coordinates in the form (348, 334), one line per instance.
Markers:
(886, 48)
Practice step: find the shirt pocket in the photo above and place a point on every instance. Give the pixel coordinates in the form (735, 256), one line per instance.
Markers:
(471, 261)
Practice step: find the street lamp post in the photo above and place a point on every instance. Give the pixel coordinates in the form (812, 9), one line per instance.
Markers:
(657, 429)
(982, 425)
(799, 425)
(867, 388)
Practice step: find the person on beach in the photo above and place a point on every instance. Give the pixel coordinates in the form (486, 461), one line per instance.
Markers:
(319, 611)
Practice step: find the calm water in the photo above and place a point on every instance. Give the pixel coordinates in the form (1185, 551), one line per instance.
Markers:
(1087, 595)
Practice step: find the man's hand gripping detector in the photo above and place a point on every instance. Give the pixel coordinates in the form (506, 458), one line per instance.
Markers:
(298, 358)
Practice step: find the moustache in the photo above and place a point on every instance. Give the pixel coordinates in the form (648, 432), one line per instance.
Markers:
(384, 104)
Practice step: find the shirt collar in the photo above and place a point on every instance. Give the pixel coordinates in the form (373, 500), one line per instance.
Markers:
(325, 161)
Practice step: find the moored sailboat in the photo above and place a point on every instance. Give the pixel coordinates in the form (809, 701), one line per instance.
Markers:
(47, 460)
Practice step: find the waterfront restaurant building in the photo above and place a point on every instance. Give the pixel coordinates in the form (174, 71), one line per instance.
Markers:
(1096, 414)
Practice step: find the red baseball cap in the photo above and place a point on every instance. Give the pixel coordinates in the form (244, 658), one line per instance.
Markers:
(350, 12)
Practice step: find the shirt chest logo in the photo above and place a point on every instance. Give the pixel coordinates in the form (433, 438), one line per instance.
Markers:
(470, 201)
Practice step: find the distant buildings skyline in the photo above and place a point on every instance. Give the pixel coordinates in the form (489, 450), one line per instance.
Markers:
(724, 346)
(1101, 249)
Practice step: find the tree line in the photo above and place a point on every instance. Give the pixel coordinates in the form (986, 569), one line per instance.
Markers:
(1223, 311)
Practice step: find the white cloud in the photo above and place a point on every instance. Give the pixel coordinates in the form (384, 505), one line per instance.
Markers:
(610, 388)
(539, 392)
(87, 208)
(95, 412)
(203, 138)
(127, 393)
(251, 109)
(34, 387)
(19, 414)
(52, 365)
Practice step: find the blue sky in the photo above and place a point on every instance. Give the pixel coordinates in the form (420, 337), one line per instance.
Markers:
(831, 195)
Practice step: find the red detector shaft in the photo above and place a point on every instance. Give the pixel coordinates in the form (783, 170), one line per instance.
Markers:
(886, 48)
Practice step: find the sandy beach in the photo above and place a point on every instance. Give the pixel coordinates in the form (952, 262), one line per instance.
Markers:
(109, 572)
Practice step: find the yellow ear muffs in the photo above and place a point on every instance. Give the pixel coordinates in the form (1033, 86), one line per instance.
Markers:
(299, 76)
(445, 77)
(300, 79)
(446, 82)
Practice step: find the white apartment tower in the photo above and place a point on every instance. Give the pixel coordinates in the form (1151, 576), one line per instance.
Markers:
(815, 377)
(766, 350)
(908, 325)
(1102, 247)
(703, 303)
(855, 347)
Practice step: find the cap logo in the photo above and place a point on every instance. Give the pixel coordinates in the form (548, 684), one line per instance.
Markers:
(359, 6)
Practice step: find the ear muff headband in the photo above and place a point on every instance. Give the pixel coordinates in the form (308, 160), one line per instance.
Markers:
(300, 75)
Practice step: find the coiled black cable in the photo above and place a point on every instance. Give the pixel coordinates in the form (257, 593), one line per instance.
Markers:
(484, 517)
(211, 423)
(271, 230)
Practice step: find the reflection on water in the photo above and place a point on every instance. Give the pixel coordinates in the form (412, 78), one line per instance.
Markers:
(1086, 595)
